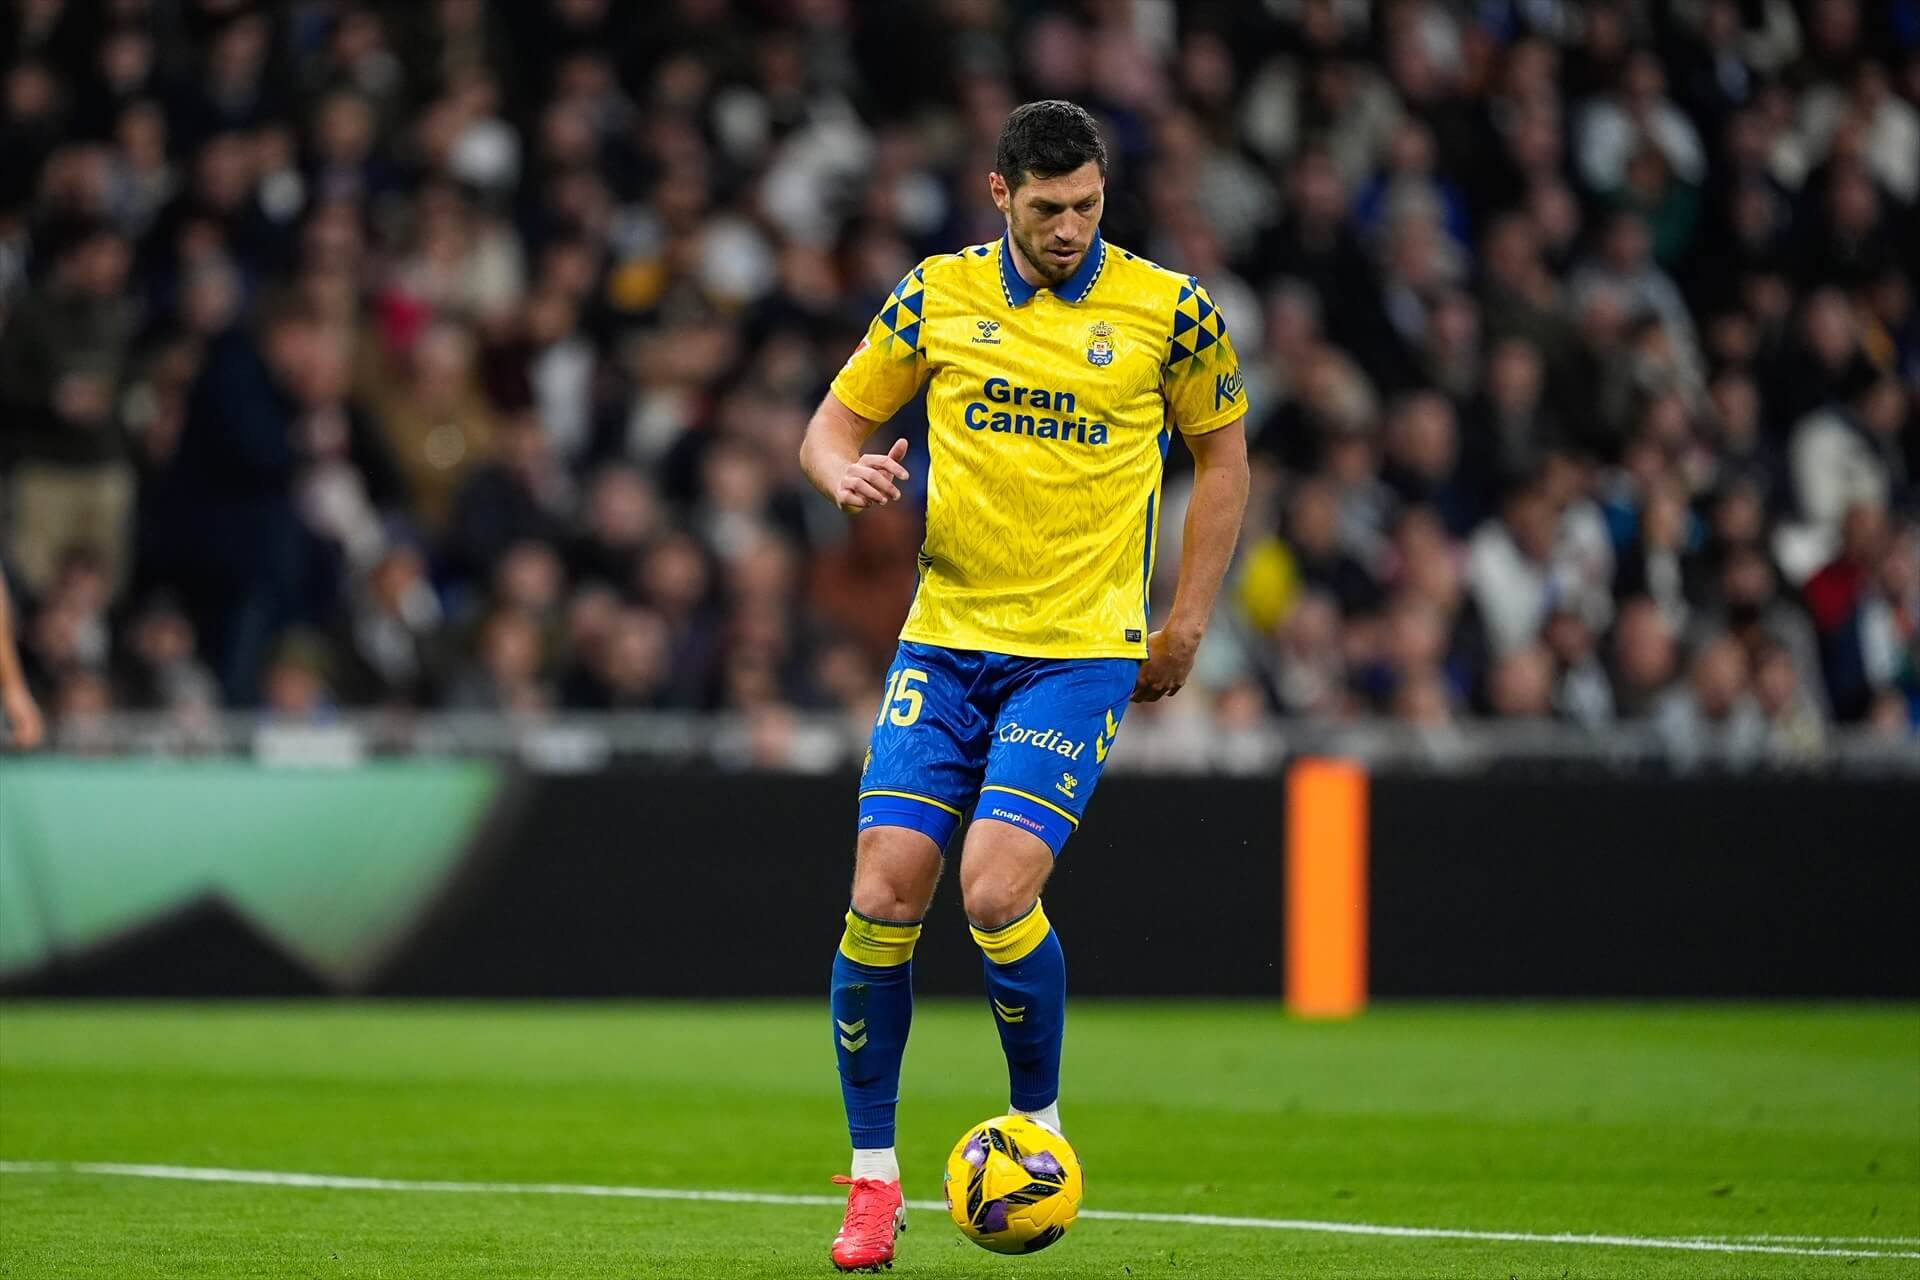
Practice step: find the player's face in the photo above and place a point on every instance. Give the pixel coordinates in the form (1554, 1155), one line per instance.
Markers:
(1052, 220)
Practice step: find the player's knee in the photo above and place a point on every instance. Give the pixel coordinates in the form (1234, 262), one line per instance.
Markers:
(993, 903)
(1001, 875)
(894, 874)
(876, 899)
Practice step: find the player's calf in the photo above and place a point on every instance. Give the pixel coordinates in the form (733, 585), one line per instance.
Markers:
(1026, 972)
(872, 1003)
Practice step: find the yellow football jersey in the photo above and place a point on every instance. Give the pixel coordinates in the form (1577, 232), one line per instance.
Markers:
(1049, 415)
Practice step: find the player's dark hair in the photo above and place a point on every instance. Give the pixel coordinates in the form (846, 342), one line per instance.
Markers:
(1046, 139)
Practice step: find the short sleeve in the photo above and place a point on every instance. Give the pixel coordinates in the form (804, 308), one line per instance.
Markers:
(887, 368)
(1201, 378)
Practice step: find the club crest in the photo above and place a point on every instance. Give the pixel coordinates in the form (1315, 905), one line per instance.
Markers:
(1100, 344)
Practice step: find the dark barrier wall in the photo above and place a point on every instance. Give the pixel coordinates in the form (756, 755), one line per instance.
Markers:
(1619, 886)
(423, 880)
(1480, 887)
(643, 884)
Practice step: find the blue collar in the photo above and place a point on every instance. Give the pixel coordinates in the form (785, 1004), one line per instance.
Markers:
(1074, 288)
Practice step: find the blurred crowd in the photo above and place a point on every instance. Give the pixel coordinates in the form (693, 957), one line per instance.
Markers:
(457, 354)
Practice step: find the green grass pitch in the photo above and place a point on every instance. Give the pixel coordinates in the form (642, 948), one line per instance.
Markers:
(1788, 1127)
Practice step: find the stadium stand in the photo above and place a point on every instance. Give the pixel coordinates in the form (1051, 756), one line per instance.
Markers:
(455, 356)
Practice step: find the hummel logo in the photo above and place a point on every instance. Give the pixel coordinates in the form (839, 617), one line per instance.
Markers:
(1010, 1012)
(858, 1030)
(988, 329)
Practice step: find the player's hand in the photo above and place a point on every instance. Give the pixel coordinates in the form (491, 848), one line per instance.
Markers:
(1169, 663)
(872, 480)
(24, 725)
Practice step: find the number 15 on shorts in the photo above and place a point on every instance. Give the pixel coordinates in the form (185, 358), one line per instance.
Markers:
(902, 702)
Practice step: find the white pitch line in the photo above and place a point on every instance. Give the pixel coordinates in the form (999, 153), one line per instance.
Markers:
(1820, 1239)
(273, 1178)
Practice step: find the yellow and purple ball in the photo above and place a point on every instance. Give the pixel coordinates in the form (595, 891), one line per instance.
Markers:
(1013, 1185)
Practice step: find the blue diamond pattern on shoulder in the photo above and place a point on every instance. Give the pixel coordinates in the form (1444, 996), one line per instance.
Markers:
(919, 273)
(910, 335)
(912, 305)
(891, 316)
(1182, 322)
(1179, 353)
(982, 251)
(1204, 341)
(1206, 306)
(1186, 291)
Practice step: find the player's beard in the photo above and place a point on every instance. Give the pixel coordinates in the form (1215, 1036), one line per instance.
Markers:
(1041, 261)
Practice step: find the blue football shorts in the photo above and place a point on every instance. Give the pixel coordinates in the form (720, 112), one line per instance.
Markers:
(1015, 740)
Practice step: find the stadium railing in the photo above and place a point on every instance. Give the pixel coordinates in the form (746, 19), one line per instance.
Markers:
(826, 743)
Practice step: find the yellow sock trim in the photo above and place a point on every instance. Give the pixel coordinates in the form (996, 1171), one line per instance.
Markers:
(884, 946)
(1014, 941)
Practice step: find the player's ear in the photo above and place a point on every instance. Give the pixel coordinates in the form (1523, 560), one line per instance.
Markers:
(997, 188)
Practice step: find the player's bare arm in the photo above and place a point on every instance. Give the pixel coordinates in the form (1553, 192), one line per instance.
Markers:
(1212, 529)
(830, 455)
(22, 717)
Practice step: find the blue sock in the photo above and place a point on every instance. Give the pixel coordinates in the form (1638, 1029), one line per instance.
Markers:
(1027, 987)
(872, 1011)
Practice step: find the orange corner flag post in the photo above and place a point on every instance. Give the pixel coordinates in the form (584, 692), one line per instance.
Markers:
(1326, 889)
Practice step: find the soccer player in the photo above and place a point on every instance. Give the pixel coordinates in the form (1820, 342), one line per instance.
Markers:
(1059, 366)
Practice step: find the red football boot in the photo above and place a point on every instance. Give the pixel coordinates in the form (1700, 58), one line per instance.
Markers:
(875, 1214)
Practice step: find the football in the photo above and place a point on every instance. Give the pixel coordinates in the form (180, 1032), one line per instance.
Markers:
(1013, 1185)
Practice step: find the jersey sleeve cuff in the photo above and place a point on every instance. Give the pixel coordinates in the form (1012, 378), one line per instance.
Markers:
(871, 413)
(1214, 423)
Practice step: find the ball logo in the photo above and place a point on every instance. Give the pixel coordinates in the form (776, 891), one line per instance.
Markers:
(1100, 344)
